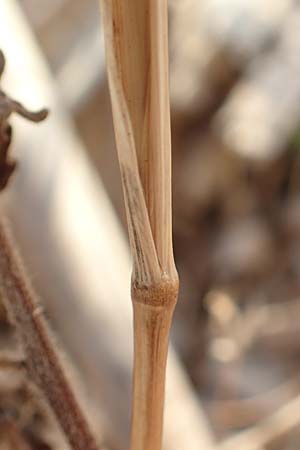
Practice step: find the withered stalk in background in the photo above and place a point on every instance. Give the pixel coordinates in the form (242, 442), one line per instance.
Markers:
(137, 61)
(41, 356)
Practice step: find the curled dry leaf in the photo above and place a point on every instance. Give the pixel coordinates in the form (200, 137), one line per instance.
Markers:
(9, 106)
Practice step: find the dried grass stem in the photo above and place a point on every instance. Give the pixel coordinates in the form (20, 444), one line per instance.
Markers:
(137, 60)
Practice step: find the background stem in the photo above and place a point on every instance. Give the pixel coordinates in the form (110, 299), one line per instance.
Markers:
(42, 359)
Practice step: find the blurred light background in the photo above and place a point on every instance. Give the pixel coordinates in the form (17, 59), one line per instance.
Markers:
(235, 105)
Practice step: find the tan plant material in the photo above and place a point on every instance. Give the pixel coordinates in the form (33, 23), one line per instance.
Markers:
(42, 359)
(25, 420)
(13, 436)
(137, 59)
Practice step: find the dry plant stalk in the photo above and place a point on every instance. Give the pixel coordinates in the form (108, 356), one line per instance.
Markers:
(137, 59)
(42, 361)
(41, 357)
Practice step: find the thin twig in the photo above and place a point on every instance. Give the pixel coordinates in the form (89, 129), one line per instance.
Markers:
(42, 361)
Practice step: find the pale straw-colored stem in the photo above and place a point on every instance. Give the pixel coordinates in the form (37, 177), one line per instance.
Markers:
(137, 60)
(151, 334)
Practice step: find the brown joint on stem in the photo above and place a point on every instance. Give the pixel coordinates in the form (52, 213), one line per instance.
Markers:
(163, 294)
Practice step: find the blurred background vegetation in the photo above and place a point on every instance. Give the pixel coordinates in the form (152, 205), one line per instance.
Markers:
(235, 105)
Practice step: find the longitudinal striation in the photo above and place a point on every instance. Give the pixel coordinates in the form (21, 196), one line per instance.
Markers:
(137, 57)
(137, 61)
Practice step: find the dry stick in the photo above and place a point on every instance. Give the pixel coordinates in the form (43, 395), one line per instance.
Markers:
(42, 360)
(137, 59)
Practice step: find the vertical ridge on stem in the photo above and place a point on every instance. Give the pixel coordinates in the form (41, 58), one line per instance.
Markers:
(137, 61)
